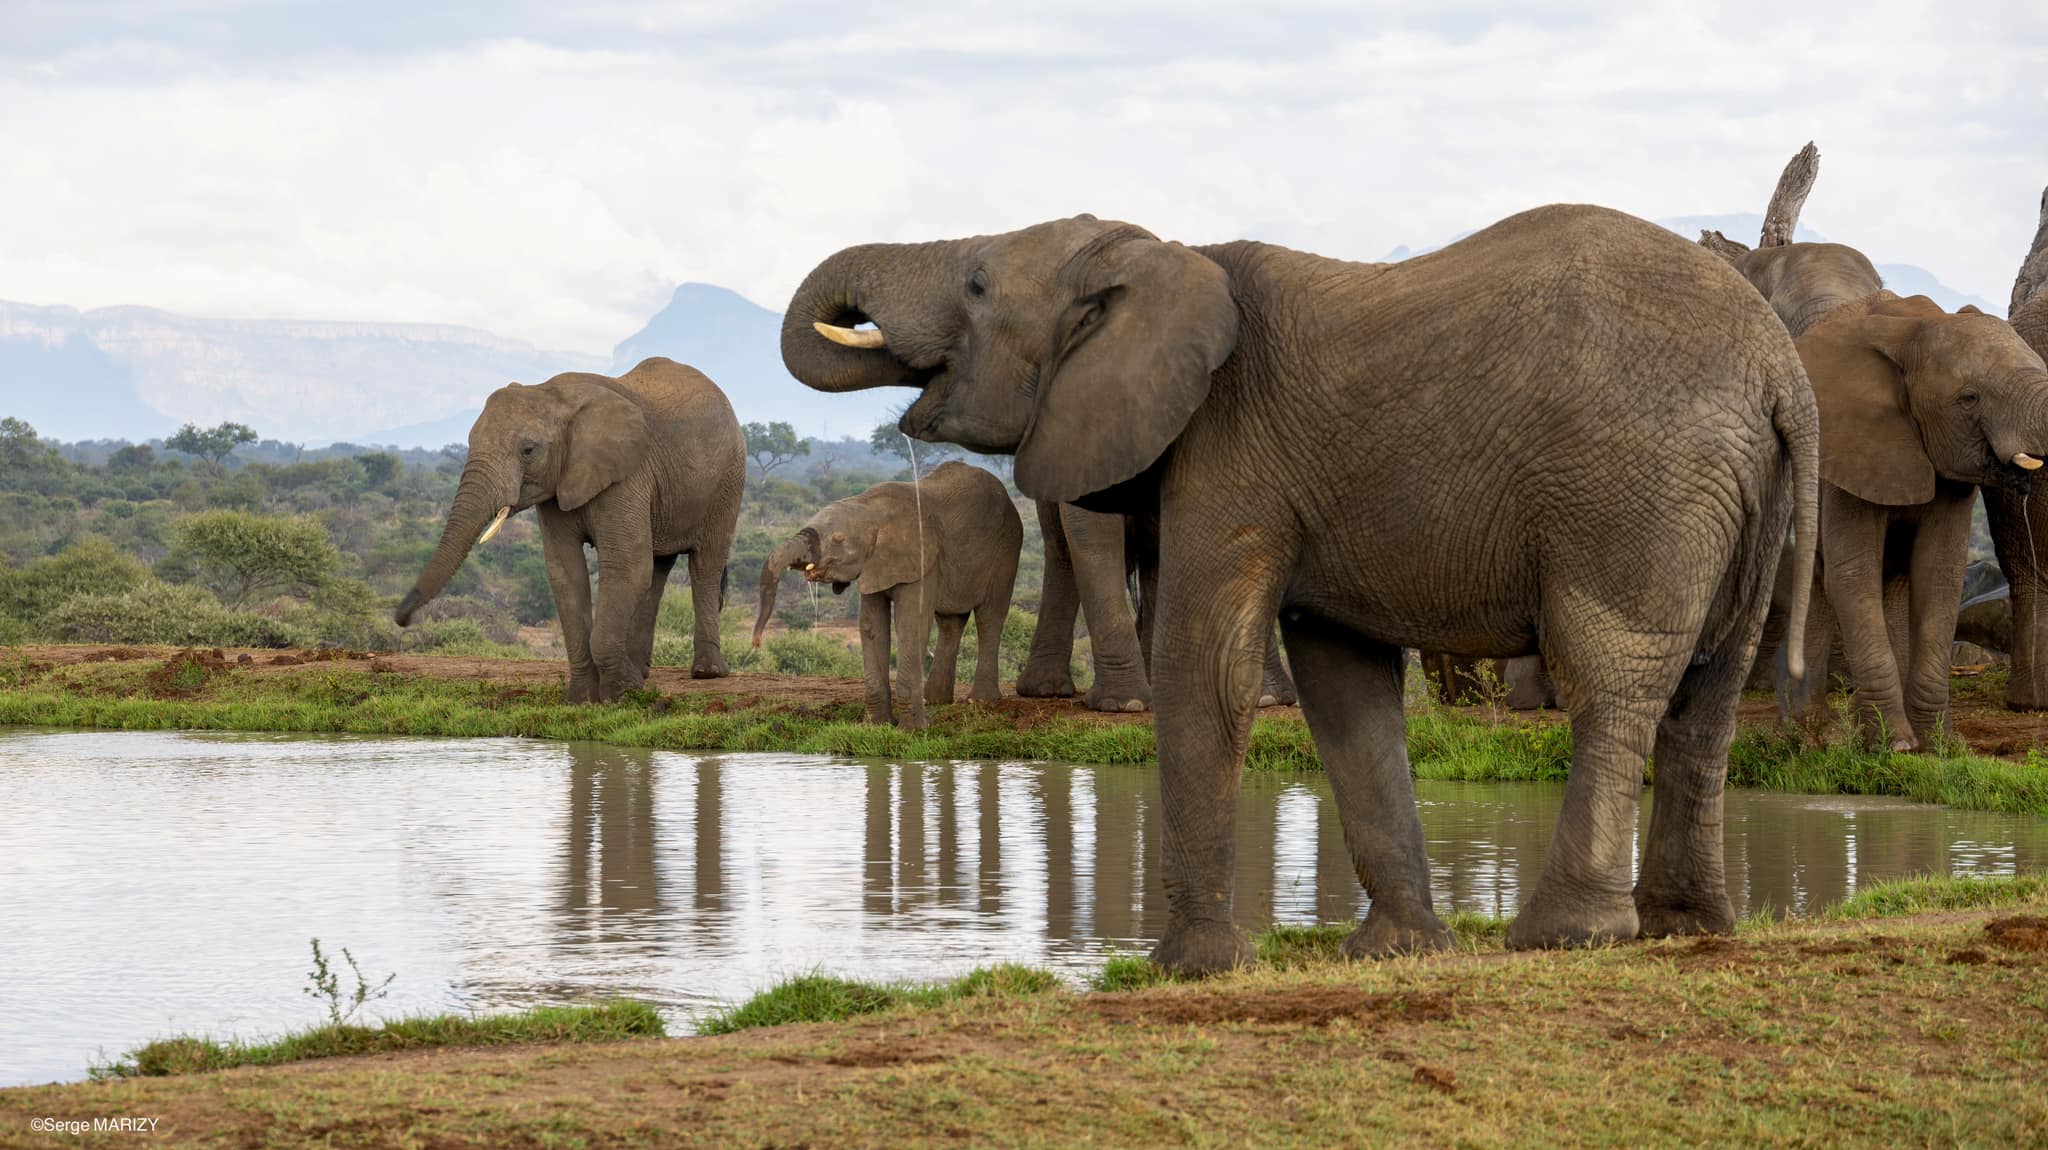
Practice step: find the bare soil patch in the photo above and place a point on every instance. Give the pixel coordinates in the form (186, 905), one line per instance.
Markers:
(1319, 1006)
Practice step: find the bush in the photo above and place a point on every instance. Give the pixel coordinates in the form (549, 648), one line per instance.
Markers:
(165, 614)
(497, 624)
(347, 613)
(458, 637)
(93, 567)
(802, 653)
(243, 556)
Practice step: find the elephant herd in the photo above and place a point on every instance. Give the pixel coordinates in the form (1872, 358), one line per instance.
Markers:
(1572, 434)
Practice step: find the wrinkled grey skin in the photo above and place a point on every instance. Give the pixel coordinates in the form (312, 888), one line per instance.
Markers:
(1918, 409)
(1332, 443)
(1804, 282)
(969, 542)
(2019, 532)
(1090, 559)
(644, 468)
(1985, 618)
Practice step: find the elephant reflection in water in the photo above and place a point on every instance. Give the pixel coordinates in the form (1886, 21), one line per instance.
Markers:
(611, 889)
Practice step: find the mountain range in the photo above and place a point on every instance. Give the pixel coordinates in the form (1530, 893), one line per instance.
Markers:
(136, 373)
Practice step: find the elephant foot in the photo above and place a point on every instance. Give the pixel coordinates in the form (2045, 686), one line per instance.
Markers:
(914, 720)
(710, 668)
(1033, 684)
(1548, 922)
(984, 694)
(1113, 696)
(1666, 916)
(1199, 949)
(1383, 936)
(582, 688)
(1277, 696)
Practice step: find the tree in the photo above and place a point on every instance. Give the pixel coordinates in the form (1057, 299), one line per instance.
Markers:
(242, 556)
(21, 449)
(770, 445)
(214, 444)
(1781, 215)
(887, 440)
(379, 468)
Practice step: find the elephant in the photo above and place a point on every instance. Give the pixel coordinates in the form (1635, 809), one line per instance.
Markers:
(1918, 409)
(644, 467)
(1090, 558)
(940, 548)
(1804, 282)
(2019, 528)
(1522, 683)
(1332, 443)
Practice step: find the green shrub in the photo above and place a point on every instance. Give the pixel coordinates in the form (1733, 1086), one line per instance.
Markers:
(458, 637)
(91, 567)
(244, 557)
(165, 614)
(347, 613)
(803, 653)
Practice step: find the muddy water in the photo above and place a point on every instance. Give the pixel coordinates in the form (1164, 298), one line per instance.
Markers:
(152, 883)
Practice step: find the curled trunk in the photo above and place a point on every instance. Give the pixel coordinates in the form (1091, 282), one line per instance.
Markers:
(478, 499)
(850, 288)
(794, 552)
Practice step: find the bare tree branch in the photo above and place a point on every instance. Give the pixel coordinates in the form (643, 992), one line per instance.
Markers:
(1782, 217)
(1712, 240)
(2034, 269)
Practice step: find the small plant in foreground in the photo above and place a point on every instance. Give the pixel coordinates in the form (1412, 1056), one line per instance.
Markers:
(325, 985)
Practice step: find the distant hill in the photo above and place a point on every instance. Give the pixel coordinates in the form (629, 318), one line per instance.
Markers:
(738, 344)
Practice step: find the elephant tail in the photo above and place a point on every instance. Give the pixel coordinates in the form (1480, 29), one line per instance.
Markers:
(1798, 425)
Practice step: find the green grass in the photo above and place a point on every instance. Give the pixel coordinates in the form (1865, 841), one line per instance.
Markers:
(601, 1022)
(1934, 893)
(823, 998)
(1443, 743)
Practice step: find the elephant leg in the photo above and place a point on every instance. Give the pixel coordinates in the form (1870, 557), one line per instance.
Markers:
(624, 572)
(1941, 550)
(1854, 538)
(649, 611)
(1217, 603)
(707, 598)
(1048, 669)
(1528, 683)
(913, 617)
(1351, 696)
(989, 619)
(938, 682)
(2020, 535)
(1148, 601)
(1584, 895)
(1095, 546)
(1276, 689)
(874, 655)
(1682, 886)
(569, 578)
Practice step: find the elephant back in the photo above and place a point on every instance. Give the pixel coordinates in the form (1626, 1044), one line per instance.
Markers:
(980, 532)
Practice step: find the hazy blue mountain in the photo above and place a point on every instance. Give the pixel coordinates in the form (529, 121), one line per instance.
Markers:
(136, 372)
(738, 344)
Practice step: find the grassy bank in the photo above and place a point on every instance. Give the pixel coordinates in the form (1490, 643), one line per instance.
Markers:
(602, 1022)
(1928, 1029)
(1449, 744)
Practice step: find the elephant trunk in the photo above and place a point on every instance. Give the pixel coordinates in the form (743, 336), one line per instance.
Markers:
(823, 352)
(482, 500)
(2023, 442)
(795, 551)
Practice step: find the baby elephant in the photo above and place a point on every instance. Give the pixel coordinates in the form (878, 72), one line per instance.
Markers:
(962, 559)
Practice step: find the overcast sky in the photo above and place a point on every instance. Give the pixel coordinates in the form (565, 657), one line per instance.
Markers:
(549, 171)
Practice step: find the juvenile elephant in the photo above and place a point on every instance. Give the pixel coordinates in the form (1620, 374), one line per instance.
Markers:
(960, 559)
(644, 468)
(1333, 443)
(1090, 559)
(1918, 408)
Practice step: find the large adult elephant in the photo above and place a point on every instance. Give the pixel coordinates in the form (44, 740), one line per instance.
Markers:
(2019, 516)
(1333, 443)
(935, 551)
(1090, 560)
(644, 468)
(1919, 408)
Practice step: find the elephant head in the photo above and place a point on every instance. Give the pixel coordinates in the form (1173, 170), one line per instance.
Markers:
(1081, 346)
(1907, 391)
(1804, 282)
(565, 440)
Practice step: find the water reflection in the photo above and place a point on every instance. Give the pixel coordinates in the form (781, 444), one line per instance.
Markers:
(154, 882)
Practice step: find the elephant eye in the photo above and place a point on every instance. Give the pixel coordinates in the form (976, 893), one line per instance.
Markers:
(528, 449)
(977, 284)
(1967, 399)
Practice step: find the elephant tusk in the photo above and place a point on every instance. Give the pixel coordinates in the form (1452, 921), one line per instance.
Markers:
(848, 337)
(810, 566)
(2025, 462)
(503, 512)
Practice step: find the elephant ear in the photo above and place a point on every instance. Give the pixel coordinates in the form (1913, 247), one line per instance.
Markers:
(894, 548)
(1149, 323)
(606, 442)
(1857, 359)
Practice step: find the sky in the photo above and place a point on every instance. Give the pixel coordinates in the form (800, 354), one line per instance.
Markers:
(550, 171)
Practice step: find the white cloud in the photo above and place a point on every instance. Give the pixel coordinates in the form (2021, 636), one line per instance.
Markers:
(553, 185)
